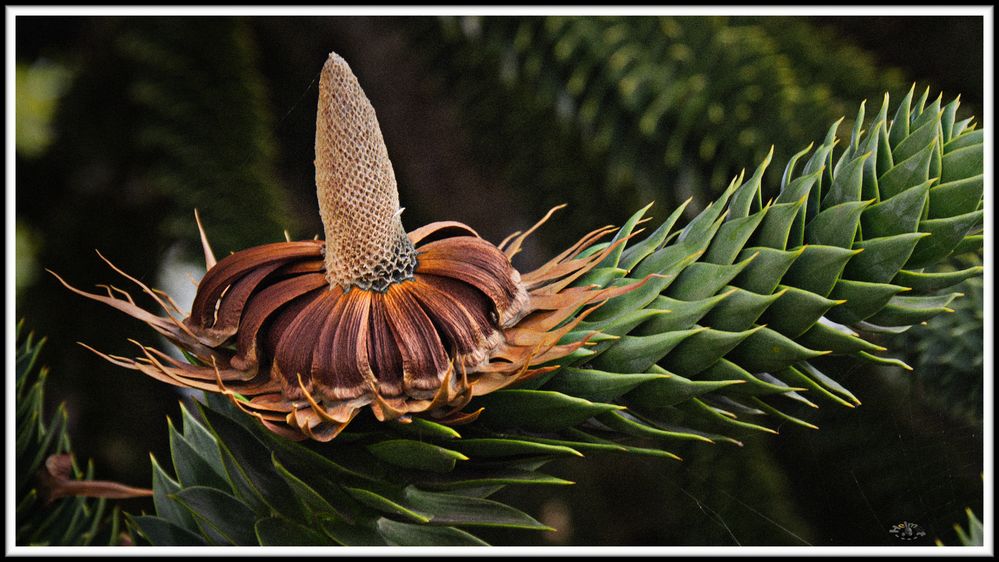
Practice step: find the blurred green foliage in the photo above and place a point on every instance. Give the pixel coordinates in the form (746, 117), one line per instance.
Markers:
(163, 116)
(26, 245)
(38, 88)
(948, 353)
(610, 113)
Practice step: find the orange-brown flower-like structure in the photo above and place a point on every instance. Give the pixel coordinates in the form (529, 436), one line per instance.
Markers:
(304, 335)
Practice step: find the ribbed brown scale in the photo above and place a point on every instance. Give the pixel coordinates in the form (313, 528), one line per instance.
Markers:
(291, 358)
(424, 361)
(277, 330)
(231, 305)
(479, 264)
(458, 311)
(386, 361)
(234, 266)
(262, 306)
(311, 332)
(350, 366)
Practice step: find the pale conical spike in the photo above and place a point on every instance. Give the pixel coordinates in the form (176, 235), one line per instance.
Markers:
(366, 244)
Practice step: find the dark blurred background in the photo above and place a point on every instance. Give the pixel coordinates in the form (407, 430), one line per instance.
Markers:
(126, 124)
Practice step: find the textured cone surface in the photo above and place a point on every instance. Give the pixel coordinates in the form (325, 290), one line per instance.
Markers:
(358, 200)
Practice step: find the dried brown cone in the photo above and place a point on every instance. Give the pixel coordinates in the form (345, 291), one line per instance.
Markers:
(303, 335)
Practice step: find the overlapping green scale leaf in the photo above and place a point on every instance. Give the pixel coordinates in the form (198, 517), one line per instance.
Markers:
(974, 535)
(758, 294)
(411, 484)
